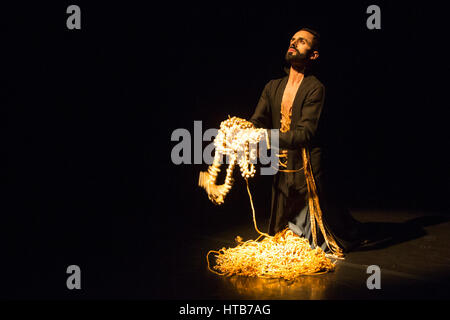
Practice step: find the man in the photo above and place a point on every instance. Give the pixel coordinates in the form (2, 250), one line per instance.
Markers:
(293, 105)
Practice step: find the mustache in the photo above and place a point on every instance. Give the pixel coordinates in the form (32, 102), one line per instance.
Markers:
(291, 47)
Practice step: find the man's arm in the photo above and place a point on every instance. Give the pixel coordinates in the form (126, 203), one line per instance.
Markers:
(262, 117)
(305, 129)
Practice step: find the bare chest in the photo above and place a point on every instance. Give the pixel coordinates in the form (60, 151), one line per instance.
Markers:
(289, 96)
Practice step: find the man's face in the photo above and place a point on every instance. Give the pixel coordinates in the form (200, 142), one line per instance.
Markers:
(299, 51)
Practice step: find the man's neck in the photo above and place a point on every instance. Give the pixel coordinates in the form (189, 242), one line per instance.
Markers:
(296, 75)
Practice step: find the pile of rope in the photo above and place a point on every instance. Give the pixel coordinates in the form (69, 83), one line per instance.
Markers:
(285, 255)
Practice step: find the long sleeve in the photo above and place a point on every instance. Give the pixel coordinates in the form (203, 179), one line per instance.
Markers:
(302, 132)
(262, 117)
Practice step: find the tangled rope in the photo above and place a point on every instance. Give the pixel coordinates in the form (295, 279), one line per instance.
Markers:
(285, 255)
(237, 139)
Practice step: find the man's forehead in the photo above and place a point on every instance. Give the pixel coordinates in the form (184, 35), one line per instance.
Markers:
(304, 34)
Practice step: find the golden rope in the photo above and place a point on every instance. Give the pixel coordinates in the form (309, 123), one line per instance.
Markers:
(233, 139)
(315, 212)
(313, 197)
(285, 255)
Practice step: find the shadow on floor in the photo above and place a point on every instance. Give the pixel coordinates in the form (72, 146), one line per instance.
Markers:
(384, 234)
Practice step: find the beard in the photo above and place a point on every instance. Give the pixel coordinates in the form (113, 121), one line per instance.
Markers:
(296, 59)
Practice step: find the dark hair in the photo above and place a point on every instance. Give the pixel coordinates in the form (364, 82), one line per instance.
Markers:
(316, 39)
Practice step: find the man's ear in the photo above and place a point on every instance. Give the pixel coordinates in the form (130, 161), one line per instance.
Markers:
(314, 55)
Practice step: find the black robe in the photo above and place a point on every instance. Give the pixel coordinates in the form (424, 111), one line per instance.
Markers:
(289, 190)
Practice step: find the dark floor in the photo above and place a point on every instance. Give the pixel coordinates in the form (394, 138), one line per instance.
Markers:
(411, 248)
(141, 260)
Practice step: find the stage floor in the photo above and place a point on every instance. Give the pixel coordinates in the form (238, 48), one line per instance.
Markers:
(145, 261)
(412, 250)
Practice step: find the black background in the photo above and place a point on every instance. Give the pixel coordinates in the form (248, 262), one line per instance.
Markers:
(89, 117)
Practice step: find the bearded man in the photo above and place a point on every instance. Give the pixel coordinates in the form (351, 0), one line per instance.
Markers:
(293, 105)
